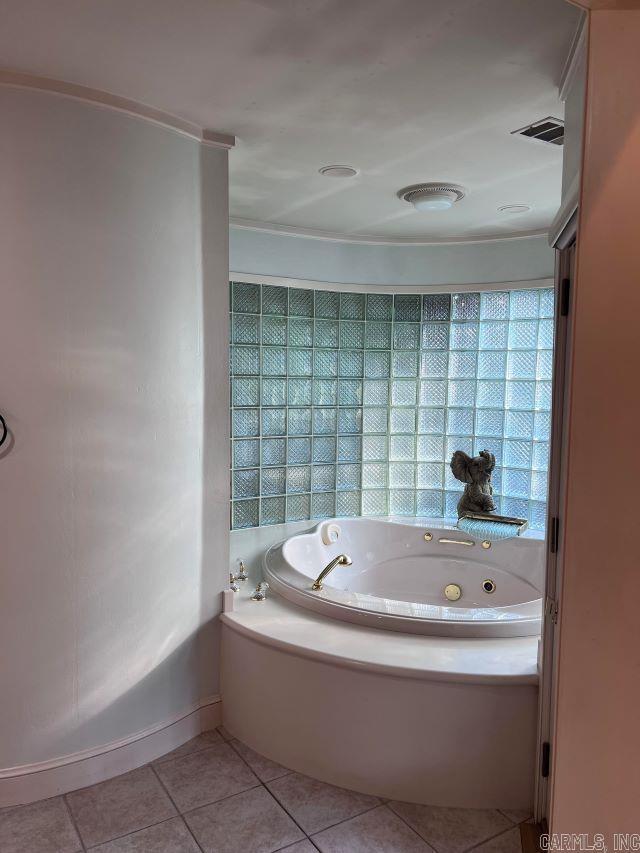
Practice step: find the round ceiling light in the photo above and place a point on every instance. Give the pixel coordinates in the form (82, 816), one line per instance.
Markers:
(434, 196)
(514, 208)
(338, 171)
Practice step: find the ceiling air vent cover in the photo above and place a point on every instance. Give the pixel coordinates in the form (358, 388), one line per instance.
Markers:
(547, 129)
(434, 196)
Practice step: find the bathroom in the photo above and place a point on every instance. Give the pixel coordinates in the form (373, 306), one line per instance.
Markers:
(275, 275)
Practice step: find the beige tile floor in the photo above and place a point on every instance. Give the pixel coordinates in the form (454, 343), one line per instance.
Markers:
(215, 795)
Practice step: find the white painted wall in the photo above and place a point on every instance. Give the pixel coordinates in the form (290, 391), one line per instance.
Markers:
(108, 587)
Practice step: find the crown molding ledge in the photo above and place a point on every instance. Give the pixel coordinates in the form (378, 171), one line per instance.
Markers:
(108, 100)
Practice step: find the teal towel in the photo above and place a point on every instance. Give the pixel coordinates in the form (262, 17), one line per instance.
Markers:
(490, 530)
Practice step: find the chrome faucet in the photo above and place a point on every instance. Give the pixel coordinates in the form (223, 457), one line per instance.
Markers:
(340, 560)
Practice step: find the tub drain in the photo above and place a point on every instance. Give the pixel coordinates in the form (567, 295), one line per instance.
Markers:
(488, 585)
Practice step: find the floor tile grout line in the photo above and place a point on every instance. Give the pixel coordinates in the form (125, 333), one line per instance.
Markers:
(466, 849)
(492, 837)
(344, 820)
(379, 806)
(73, 821)
(516, 823)
(287, 772)
(426, 841)
(164, 759)
(133, 832)
(164, 788)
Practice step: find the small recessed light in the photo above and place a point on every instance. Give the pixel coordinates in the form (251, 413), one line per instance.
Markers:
(514, 208)
(338, 171)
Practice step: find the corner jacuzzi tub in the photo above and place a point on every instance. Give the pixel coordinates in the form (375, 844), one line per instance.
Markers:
(415, 578)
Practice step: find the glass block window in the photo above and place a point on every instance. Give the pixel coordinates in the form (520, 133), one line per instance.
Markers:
(348, 404)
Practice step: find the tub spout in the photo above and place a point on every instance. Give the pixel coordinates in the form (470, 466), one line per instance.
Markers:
(340, 560)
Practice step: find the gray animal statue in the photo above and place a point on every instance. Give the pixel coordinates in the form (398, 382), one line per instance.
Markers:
(476, 473)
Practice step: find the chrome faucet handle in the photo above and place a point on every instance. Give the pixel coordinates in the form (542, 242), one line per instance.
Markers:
(242, 574)
(232, 583)
(260, 592)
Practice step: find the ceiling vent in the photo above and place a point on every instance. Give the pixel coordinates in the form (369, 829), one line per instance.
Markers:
(434, 196)
(549, 129)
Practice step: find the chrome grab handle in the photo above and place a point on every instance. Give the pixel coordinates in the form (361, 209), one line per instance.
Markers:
(468, 542)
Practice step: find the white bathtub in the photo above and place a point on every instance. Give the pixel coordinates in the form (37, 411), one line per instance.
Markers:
(399, 573)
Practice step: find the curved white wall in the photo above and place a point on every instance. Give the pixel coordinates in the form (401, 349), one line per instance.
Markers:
(265, 253)
(107, 598)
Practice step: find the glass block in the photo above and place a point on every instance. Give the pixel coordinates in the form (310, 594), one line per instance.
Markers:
(350, 392)
(544, 366)
(404, 364)
(524, 304)
(298, 507)
(349, 448)
(515, 507)
(429, 475)
(464, 336)
(379, 306)
(299, 451)
(429, 503)
(492, 444)
(433, 393)
(274, 331)
(323, 478)
(300, 332)
(547, 300)
(375, 448)
(431, 420)
(520, 394)
(462, 365)
(273, 451)
(378, 335)
(518, 425)
(537, 515)
(375, 392)
(494, 305)
(300, 302)
(458, 442)
(374, 420)
(349, 421)
(273, 481)
(406, 336)
(517, 454)
(272, 510)
(348, 504)
(299, 422)
(325, 392)
(460, 421)
(300, 362)
(494, 335)
(246, 454)
(543, 395)
(327, 304)
(323, 505)
(521, 364)
(350, 362)
(490, 394)
(375, 475)
(436, 307)
(245, 298)
(324, 421)
(246, 483)
(430, 448)
(435, 336)
(542, 426)
(434, 364)
(539, 485)
(245, 422)
(245, 361)
(299, 392)
(245, 514)
(245, 329)
(492, 365)
(406, 308)
(402, 475)
(402, 420)
(327, 334)
(402, 502)
(274, 361)
(298, 479)
(325, 362)
(465, 306)
(402, 448)
(462, 392)
(523, 334)
(496, 483)
(352, 306)
(515, 483)
(403, 392)
(377, 365)
(274, 392)
(451, 504)
(245, 392)
(274, 300)
(348, 477)
(374, 502)
(351, 335)
(545, 334)
(274, 421)
(489, 422)
(324, 448)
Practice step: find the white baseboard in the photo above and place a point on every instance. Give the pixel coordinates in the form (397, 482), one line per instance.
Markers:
(30, 782)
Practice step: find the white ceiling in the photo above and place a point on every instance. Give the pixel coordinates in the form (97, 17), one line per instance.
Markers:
(404, 90)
